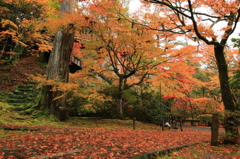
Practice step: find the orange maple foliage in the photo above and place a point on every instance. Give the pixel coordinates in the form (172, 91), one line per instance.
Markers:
(22, 26)
(207, 106)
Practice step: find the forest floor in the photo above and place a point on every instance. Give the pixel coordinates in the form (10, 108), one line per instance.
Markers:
(25, 137)
(22, 136)
(206, 151)
(90, 138)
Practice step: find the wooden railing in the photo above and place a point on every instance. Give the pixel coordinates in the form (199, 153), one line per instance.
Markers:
(76, 60)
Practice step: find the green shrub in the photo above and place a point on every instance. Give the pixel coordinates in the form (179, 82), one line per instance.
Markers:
(76, 104)
(108, 108)
(150, 109)
(205, 119)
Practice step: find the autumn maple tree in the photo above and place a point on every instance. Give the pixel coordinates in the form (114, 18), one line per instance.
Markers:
(128, 51)
(19, 33)
(197, 20)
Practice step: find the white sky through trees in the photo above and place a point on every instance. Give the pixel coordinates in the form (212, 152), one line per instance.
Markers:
(134, 5)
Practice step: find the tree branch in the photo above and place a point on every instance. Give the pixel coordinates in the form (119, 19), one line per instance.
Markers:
(231, 23)
(196, 27)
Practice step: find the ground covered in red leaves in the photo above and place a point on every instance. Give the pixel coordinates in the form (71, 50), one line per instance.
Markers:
(17, 74)
(37, 141)
(206, 151)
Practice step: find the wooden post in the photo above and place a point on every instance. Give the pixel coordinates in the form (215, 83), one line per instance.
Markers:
(181, 125)
(175, 123)
(163, 124)
(169, 121)
(172, 121)
(134, 123)
(214, 130)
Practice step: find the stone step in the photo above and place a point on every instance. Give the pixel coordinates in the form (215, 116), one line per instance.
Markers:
(16, 104)
(17, 100)
(24, 93)
(26, 86)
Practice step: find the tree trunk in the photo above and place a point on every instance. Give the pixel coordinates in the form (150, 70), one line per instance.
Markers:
(232, 133)
(192, 115)
(120, 98)
(54, 102)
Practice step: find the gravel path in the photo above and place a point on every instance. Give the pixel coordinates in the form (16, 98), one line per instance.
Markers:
(199, 128)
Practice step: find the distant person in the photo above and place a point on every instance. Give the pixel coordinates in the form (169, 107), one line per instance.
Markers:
(167, 125)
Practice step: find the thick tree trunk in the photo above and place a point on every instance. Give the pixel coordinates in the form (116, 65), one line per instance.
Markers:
(232, 133)
(54, 102)
(55, 108)
(57, 70)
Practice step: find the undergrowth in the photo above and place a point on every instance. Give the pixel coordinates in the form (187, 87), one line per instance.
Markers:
(9, 116)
